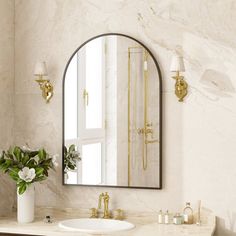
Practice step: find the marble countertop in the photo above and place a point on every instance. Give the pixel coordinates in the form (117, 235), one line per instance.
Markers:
(145, 225)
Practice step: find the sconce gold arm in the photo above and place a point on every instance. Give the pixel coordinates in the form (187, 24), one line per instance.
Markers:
(181, 86)
(46, 87)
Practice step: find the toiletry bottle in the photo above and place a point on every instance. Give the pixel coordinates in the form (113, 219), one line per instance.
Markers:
(188, 214)
(160, 217)
(198, 220)
(177, 219)
(167, 217)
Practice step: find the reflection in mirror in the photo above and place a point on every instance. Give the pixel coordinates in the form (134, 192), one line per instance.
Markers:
(112, 115)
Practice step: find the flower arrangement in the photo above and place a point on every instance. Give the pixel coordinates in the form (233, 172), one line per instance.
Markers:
(26, 166)
(71, 156)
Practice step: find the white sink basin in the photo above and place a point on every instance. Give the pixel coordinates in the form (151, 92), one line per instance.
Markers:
(96, 226)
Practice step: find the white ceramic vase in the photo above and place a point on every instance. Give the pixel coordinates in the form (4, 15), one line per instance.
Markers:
(25, 205)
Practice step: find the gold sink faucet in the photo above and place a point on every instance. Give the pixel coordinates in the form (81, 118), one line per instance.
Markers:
(105, 197)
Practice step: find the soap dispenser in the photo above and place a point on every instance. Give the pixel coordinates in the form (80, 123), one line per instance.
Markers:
(188, 214)
(160, 217)
(167, 217)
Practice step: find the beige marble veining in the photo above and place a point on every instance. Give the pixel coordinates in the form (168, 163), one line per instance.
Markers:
(7, 191)
(68, 24)
(199, 135)
(145, 224)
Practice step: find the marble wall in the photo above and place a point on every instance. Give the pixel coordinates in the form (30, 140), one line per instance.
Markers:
(6, 96)
(199, 134)
(51, 31)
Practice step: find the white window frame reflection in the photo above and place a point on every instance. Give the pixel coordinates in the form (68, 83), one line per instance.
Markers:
(86, 136)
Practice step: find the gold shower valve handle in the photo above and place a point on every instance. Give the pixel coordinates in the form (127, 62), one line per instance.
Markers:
(149, 124)
(149, 131)
(140, 130)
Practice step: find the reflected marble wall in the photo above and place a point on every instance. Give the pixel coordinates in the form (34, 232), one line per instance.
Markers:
(199, 131)
(111, 110)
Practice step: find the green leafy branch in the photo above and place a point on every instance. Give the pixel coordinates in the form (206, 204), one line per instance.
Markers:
(71, 156)
(26, 166)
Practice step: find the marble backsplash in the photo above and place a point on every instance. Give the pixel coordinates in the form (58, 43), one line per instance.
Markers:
(198, 133)
(6, 96)
(54, 44)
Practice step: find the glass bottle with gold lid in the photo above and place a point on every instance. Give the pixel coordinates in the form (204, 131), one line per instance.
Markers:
(188, 214)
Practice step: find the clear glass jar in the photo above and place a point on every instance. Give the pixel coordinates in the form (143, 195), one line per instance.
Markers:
(177, 219)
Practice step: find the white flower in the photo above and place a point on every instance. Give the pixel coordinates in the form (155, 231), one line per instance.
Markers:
(27, 174)
(54, 160)
(26, 148)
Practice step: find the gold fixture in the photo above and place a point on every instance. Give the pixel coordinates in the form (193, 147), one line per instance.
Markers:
(147, 130)
(147, 126)
(129, 116)
(105, 197)
(45, 85)
(181, 86)
(119, 214)
(129, 119)
(47, 89)
(94, 213)
(86, 97)
(151, 141)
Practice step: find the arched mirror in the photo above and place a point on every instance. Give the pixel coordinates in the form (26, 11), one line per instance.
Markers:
(112, 115)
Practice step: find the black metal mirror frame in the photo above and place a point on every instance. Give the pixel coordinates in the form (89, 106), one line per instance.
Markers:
(160, 114)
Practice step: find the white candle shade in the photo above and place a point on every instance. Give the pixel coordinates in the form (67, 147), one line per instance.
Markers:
(177, 64)
(40, 68)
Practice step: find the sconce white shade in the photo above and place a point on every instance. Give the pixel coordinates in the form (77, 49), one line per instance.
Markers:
(177, 64)
(40, 68)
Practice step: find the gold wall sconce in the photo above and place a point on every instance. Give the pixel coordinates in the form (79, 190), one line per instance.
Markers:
(40, 71)
(181, 86)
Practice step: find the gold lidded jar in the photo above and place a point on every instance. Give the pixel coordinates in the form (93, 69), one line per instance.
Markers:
(188, 214)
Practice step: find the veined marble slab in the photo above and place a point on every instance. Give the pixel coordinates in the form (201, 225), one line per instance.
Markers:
(146, 224)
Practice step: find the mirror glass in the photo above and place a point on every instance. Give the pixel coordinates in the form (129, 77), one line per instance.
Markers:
(112, 115)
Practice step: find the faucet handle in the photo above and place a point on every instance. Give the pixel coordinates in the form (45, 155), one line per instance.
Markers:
(94, 213)
(118, 214)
